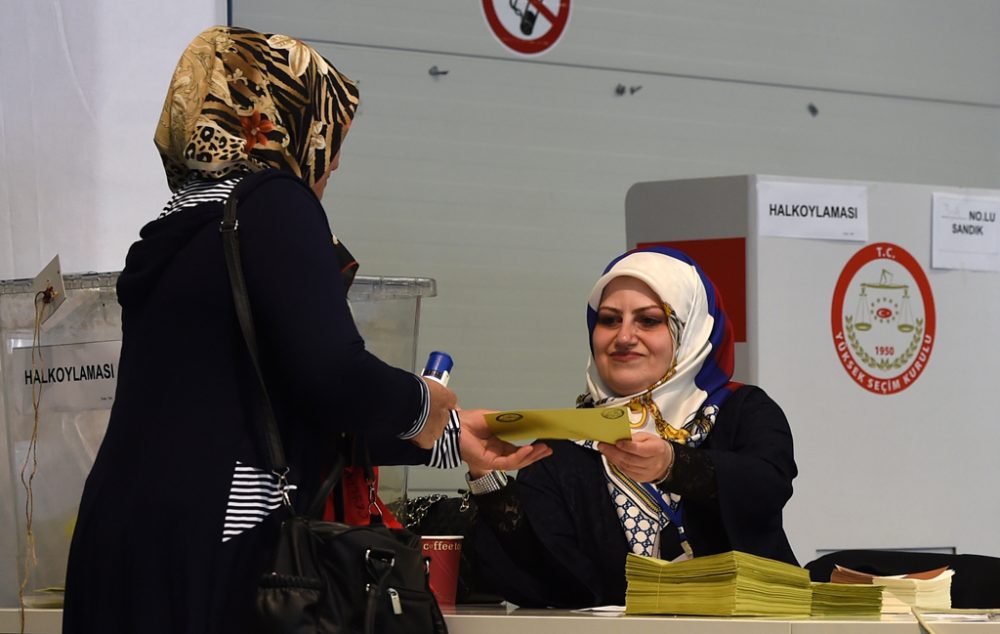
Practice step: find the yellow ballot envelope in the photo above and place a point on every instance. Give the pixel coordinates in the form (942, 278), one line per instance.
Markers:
(607, 424)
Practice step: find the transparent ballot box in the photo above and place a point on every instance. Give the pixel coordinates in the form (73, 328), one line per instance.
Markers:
(70, 372)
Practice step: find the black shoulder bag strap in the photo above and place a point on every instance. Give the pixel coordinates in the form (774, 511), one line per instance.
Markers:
(229, 228)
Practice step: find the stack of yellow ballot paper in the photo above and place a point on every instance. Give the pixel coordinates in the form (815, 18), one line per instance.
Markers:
(727, 584)
(930, 589)
(846, 600)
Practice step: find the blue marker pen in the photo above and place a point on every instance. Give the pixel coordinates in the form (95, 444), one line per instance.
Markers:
(438, 367)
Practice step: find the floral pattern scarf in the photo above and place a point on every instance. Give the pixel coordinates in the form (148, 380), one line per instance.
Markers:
(682, 405)
(241, 100)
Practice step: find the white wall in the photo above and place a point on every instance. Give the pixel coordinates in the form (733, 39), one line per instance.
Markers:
(81, 87)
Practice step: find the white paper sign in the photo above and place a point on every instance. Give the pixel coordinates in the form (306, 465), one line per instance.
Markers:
(812, 210)
(71, 378)
(965, 234)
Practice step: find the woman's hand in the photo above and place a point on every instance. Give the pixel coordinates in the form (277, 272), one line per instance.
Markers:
(484, 452)
(645, 458)
(442, 402)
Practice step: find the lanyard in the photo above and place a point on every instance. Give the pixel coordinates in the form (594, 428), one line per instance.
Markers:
(675, 515)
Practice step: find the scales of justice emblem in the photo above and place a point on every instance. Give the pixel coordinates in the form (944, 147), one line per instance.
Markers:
(883, 318)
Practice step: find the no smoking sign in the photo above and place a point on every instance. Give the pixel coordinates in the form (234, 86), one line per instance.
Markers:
(527, 27)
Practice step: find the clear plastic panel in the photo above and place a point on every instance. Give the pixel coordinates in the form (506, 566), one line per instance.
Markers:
(75, 367)
(387, 313)
(72, 416)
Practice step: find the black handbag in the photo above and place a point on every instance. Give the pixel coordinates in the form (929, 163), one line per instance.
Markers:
(330, 577)
(337, 578)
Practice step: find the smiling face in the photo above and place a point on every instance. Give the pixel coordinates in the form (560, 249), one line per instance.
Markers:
(633, 347)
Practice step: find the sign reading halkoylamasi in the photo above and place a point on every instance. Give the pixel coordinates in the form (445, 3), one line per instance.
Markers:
(812, 210)
(65, 378)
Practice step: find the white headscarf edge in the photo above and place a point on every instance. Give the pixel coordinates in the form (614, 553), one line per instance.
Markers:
(678, 285)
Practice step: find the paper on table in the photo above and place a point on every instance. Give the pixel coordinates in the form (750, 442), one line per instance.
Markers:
(957, 616)
(607, 424)
(603, 610)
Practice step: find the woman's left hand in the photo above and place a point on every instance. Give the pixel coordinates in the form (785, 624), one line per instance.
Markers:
(644, 458)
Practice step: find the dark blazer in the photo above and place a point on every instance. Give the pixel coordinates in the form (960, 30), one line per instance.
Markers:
(552, 538)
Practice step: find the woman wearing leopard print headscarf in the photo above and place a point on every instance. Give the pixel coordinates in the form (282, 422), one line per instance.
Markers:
(180, 512)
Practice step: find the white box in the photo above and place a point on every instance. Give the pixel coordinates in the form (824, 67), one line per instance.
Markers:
(895, 437)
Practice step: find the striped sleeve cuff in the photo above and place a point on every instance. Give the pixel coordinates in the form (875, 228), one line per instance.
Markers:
(446, 453)
(425, 408)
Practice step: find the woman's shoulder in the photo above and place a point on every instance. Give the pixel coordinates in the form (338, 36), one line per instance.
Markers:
(750, 405)
(747, 395)
(273, 182)
(263, 193)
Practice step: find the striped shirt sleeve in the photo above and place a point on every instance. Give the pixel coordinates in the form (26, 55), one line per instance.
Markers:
(446, 452)
(425, 408)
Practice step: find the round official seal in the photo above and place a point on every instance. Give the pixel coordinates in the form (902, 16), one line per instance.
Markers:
(613, 413)
(510, 417)
(883, 318)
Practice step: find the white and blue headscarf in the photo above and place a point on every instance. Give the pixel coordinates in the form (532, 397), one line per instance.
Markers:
(682, 405)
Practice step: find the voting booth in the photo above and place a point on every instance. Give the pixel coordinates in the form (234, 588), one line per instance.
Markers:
(871, 313)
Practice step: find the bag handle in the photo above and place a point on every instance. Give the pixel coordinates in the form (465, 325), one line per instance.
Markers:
(319, 500)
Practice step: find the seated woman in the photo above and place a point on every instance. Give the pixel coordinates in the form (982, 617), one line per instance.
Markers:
(708, 469)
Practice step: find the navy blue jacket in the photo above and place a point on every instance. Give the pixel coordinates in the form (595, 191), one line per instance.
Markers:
(552, 537)
(148, 553)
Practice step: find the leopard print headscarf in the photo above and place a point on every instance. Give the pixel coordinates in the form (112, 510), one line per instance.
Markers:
(246, 100)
